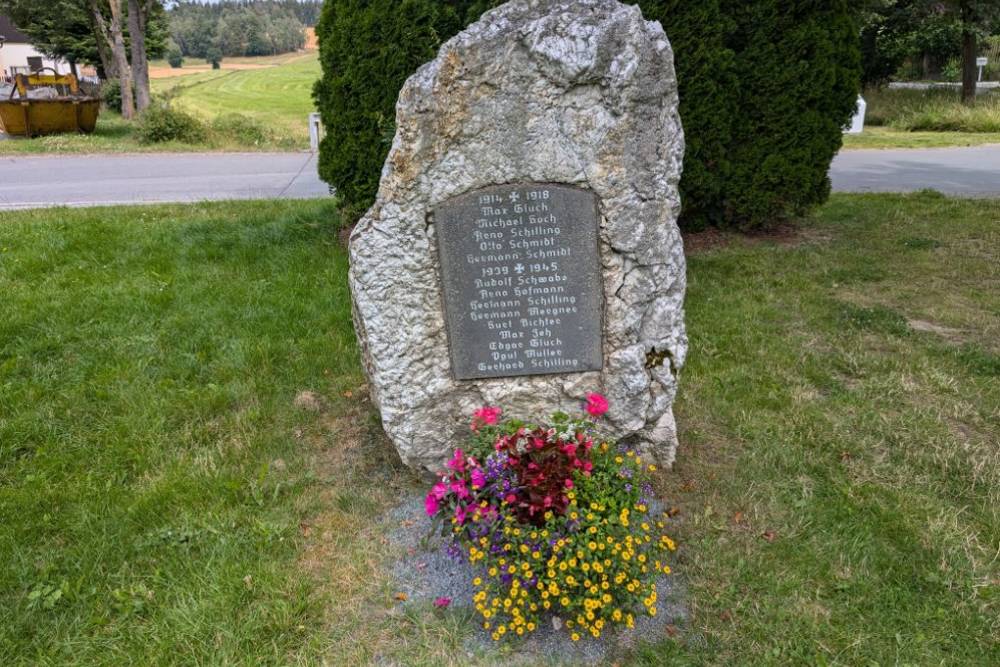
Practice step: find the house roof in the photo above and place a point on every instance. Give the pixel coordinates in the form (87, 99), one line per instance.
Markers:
(11, 33)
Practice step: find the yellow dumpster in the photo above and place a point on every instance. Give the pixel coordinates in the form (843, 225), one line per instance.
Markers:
(47, 104)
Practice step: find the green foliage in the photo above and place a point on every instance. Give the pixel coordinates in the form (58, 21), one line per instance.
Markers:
(160, 123)
(174, 56)
(935, 110)
(697, 33)
(111, 94)
(765, 89)
(65, 28)
(368, 49)
(797, 65)
(239, 28)
(239, 129)
(214, 57)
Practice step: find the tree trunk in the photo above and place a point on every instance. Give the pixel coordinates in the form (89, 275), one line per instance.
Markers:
(121, 59)
(968, 65)
(138, 11)
(108, 69)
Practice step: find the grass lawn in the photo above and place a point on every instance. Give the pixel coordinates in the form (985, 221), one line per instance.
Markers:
(278, 95)
(165, 499)
(887, 137)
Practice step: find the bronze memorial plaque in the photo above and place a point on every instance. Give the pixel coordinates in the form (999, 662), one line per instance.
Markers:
(521, 277)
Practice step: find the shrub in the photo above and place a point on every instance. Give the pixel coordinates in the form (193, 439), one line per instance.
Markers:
(367, 51)
(697, 33)
(798, 65)
(555, 521)
(160, 123)
(766, 88)
(111, 94)
(241, 129)
(174, 56)
(214, 57)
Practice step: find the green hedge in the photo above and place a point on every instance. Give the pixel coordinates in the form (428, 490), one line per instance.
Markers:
(765, 87)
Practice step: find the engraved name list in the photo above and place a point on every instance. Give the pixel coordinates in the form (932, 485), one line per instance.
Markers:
(521, 277)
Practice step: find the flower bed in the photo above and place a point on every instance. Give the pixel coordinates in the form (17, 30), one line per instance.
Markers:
(556, 521)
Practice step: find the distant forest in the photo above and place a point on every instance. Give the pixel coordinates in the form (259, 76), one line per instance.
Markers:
(241, 27)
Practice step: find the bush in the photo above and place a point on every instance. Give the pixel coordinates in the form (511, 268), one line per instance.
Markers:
(555, 521)
(214, 57)
(240, 129)
(111, 94)
(697, 33)
(160, 123)
(766, 88)
(367, 51)
(174, 56)
(798, 68)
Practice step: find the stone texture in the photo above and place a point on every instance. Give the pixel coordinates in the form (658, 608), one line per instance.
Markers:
(579, 92)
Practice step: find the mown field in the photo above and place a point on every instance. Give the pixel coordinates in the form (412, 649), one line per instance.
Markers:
(170, 495)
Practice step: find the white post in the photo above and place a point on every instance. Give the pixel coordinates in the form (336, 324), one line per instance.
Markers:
(857, 125)
(315, 131)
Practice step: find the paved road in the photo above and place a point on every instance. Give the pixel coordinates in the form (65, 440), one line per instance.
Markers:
(967, 172)
(86, 180)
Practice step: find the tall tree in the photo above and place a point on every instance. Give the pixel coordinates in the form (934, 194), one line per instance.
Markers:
(975, 17)
(112, 32)
(138, 18)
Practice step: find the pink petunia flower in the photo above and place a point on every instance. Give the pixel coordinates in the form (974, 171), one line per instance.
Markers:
(439, 491)
(441, 603)
(597, 405)
(458, 486)
(457, 463)
(431, 504)
(478, 479)
(485, 416)
(569, 483)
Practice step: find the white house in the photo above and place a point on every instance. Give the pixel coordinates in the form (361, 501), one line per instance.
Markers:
(18, 56)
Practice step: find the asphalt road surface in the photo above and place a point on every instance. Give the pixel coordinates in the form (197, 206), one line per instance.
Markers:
(966, 172)
(90, 180)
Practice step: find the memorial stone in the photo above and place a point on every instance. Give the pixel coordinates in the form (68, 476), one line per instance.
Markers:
(523, 248)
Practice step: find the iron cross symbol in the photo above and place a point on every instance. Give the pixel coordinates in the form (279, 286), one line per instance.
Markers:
(519, 268)
(515, 196)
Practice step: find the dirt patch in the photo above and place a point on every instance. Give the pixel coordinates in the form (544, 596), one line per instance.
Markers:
(953, 335)
(706, 240)
(309, 401)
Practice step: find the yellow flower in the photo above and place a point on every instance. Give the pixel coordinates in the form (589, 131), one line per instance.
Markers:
(575, 637)
(477, 581)
(592, 546)
(493, 572)
(652, 468)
